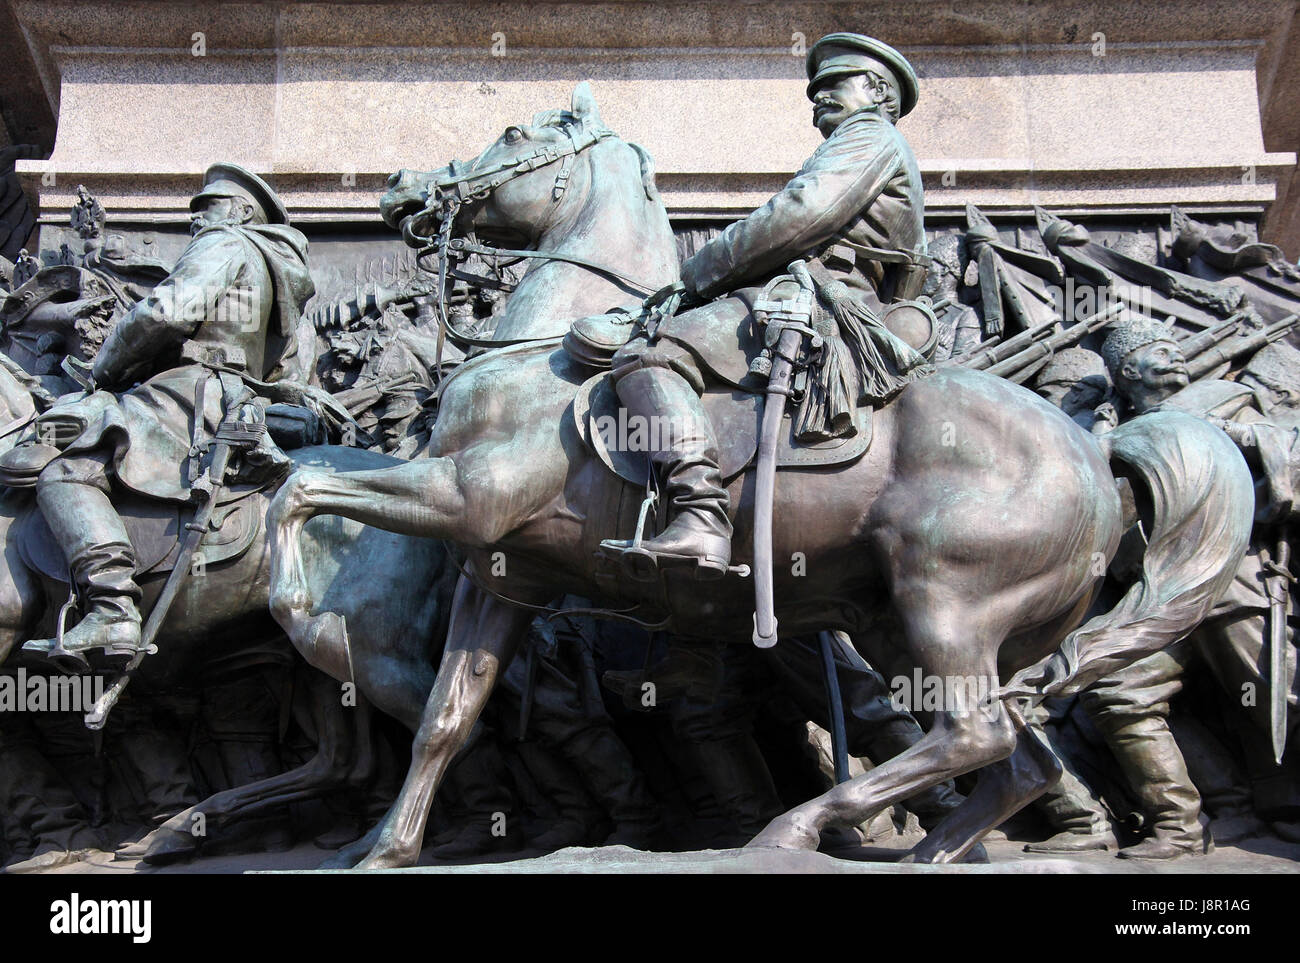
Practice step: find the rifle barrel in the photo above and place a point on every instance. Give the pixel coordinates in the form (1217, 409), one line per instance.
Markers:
(1046, 347)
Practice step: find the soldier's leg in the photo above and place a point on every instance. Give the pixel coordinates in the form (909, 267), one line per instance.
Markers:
(1234, 647)
(491, 815)
(660, 384)
(1218, 776)
(44, 823)
(719, 736)
(1071, 809)
(1131, 709)
(73, 494)
(588, 748)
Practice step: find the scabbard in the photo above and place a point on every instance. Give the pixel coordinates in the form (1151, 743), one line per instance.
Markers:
(778, 390)
(194, 532)
(1279, 594)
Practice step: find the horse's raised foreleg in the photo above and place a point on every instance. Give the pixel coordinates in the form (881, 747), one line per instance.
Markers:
(482, 639)
(421, 499)
(1002, 790)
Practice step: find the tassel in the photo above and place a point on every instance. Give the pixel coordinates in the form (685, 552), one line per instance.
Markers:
(866, 364)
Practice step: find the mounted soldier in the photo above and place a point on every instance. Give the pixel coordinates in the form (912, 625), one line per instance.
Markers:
(184, 360)
(854, 211)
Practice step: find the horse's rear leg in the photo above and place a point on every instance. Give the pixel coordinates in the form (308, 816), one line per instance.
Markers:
(956, 650)
(327, 770)
(957, 743)
(481, 641)
(1002, 790)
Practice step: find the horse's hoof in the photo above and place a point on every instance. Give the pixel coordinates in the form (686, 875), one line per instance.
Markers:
(160, 847)
(784, 833)
(385, 860)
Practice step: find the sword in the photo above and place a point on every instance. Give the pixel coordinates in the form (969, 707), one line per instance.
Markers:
(231, 435)
(1279, 596)
(787, 321)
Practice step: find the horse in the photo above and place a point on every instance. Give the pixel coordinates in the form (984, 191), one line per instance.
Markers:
(223, 610)
(969, 540)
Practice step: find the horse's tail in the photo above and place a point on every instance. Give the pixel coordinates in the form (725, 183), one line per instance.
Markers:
(1201, 508)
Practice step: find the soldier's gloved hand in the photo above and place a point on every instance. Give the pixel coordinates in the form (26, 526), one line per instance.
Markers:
(1106, 418)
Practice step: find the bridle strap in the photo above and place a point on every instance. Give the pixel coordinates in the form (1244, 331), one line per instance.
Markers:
(460, 245)
(452, 192)
(478, 184)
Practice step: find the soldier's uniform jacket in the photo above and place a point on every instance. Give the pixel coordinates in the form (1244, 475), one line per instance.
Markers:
(860, 189)
(1277, 473)
(233, 300)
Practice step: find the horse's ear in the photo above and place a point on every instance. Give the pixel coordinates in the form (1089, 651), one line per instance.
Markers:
(584, 106)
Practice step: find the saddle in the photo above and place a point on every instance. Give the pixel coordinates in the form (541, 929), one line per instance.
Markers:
(154, 527)
(733, 401)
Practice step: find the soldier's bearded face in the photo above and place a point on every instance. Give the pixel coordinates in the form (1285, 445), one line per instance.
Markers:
(837, 98)
(213, 211)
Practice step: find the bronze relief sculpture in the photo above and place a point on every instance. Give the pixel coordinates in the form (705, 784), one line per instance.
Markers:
(631, 437)
(508, 475)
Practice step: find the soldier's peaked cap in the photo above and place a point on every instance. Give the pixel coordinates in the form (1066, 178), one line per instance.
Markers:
(231, 180)
(840, 54)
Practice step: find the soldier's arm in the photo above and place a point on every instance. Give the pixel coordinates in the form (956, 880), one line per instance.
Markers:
(206, 272)
(841, 180)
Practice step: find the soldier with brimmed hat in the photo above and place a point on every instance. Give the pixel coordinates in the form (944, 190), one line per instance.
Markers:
(199, 346)
(858, 199)
(854, 212)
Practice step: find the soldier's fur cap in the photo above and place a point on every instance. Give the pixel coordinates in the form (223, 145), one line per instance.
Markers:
(1129, 335)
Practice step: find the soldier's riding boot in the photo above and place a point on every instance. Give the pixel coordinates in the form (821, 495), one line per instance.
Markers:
(1154, 767)
(102, 561)
(687, 463)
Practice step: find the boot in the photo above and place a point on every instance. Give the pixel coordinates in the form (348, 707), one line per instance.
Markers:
(612, 777)
(1154, 767)
(742, 786)
(700, 532)
(99, 553)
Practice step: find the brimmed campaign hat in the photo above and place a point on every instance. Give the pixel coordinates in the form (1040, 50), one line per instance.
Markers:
(231, 180)
(840, 54)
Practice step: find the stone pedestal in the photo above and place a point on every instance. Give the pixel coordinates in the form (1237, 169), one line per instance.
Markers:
(1105, 107)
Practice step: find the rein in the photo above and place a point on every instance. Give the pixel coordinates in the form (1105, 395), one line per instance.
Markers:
(451, 193)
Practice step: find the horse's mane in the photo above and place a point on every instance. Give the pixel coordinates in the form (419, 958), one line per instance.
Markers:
(560, 117)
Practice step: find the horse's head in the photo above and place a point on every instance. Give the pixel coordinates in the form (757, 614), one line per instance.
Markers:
(510, 192)
(408, 193)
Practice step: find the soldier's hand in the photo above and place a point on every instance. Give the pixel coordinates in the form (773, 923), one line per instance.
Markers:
(1106, 418)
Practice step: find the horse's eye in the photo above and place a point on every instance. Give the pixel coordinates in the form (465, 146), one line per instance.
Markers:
(514, 135)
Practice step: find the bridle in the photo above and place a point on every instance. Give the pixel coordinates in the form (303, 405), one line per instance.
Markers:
(457, 188)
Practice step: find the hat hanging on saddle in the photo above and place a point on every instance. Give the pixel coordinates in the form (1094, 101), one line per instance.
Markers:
(231, 180)
(842, 54)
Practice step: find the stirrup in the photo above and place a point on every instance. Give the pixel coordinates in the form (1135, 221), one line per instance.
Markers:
(644, 564)
(53, 649)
